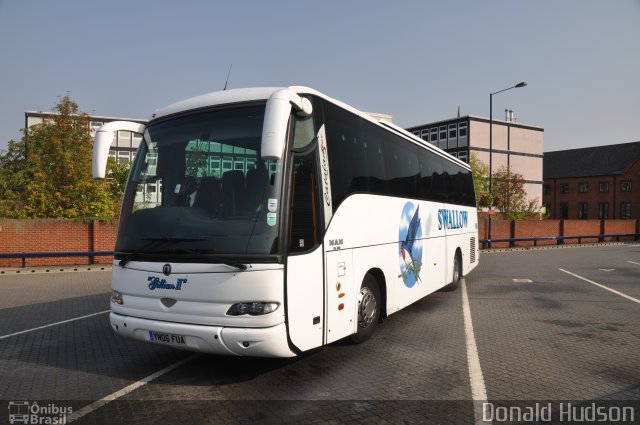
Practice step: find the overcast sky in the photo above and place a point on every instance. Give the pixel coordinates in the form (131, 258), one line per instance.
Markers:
(416, 60)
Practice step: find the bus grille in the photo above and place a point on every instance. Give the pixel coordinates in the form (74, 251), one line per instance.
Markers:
(473, 250)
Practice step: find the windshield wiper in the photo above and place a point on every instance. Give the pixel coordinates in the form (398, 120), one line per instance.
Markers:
(157, 241)
(222, 260)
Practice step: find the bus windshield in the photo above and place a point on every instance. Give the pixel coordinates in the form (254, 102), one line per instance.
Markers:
(199, 188)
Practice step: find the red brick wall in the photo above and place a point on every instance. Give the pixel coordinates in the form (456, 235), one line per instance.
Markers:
(35, 236)
(503, 229)
(536, 229)
(31, 236)
(581, 227)
(500, 229)
(621, 227)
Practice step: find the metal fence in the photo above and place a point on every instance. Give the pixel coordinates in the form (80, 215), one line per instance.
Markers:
(486, 243)
(89, 254)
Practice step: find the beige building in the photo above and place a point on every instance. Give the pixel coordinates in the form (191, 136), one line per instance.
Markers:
(514, 145)
(124, 145)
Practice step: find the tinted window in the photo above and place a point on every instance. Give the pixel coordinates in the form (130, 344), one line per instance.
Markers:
(460, 185)
(345, 146)
(432, 184)
(401, 166)
(367, 158)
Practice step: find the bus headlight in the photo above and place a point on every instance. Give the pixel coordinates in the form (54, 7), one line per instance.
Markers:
(116, 298)
(252, 308)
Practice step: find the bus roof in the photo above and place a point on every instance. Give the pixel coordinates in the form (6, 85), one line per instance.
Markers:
(263, 93)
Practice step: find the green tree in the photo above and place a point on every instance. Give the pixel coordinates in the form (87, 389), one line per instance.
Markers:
(117, 175)
(510, 197)
(57, 160)
(480, 172)
(14, 175)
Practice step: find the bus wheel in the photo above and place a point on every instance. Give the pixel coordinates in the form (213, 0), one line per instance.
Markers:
(457, 274)
(368, 309)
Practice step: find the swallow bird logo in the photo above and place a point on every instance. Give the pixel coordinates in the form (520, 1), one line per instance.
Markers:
(410, 244)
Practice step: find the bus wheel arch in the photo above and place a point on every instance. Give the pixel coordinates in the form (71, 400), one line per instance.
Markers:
(457, 272)
(382, 287)
(369, 308)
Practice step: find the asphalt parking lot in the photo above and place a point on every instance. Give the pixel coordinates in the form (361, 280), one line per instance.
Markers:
(557, 328)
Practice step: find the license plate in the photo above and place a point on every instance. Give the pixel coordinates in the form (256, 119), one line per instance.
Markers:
(167, 338)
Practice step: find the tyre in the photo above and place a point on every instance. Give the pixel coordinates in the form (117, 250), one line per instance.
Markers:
(457, 274)
(369, 305)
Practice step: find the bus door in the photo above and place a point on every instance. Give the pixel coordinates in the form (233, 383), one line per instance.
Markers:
(305, 277)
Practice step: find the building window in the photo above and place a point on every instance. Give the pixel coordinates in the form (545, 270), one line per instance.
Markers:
(453, 131)
(434, 136)
(462, 156)
(583, 209)
(625, 186)
(603, 210)
(124, 139)
(604, 186)
(546, 189)
(625, 210)
(462, 129)
(124, 157)
(453, 136)
(564, 210)
(425, 135)
(442, 141)
(564, 187)
(443, 132)
(583, 187)
(135, 140)
(94, 126)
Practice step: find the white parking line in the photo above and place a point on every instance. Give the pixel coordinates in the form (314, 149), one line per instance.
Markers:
(478, 389)
(602, 286)
(633, 262)
(126, 390)
(53, 324)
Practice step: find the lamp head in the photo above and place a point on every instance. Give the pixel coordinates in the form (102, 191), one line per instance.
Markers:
(522, 84)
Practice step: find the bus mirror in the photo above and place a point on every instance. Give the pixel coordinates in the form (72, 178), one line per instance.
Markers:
(102, 142)
(276, 120)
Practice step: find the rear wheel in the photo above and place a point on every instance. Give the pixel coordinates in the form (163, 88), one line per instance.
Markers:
(457, 274)
(368, 309)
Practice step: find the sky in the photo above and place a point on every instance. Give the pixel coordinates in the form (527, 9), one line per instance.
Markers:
(417, 60)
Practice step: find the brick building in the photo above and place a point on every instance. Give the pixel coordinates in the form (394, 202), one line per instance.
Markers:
(600, 182)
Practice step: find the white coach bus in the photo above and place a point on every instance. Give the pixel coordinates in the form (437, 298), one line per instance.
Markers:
(286, 220)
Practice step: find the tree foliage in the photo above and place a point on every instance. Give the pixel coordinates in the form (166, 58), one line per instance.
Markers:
(480, 172)
(52, 171)
(510, 197)
(14, 175)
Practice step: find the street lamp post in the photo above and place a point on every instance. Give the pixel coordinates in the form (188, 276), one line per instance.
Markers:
(517, 86)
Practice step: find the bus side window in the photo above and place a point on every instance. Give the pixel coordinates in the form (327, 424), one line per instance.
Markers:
(303, 227)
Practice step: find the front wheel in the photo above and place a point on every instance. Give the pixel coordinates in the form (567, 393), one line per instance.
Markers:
(368, 309)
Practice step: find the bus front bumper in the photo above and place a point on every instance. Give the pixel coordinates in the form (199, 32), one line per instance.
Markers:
(256, 342)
